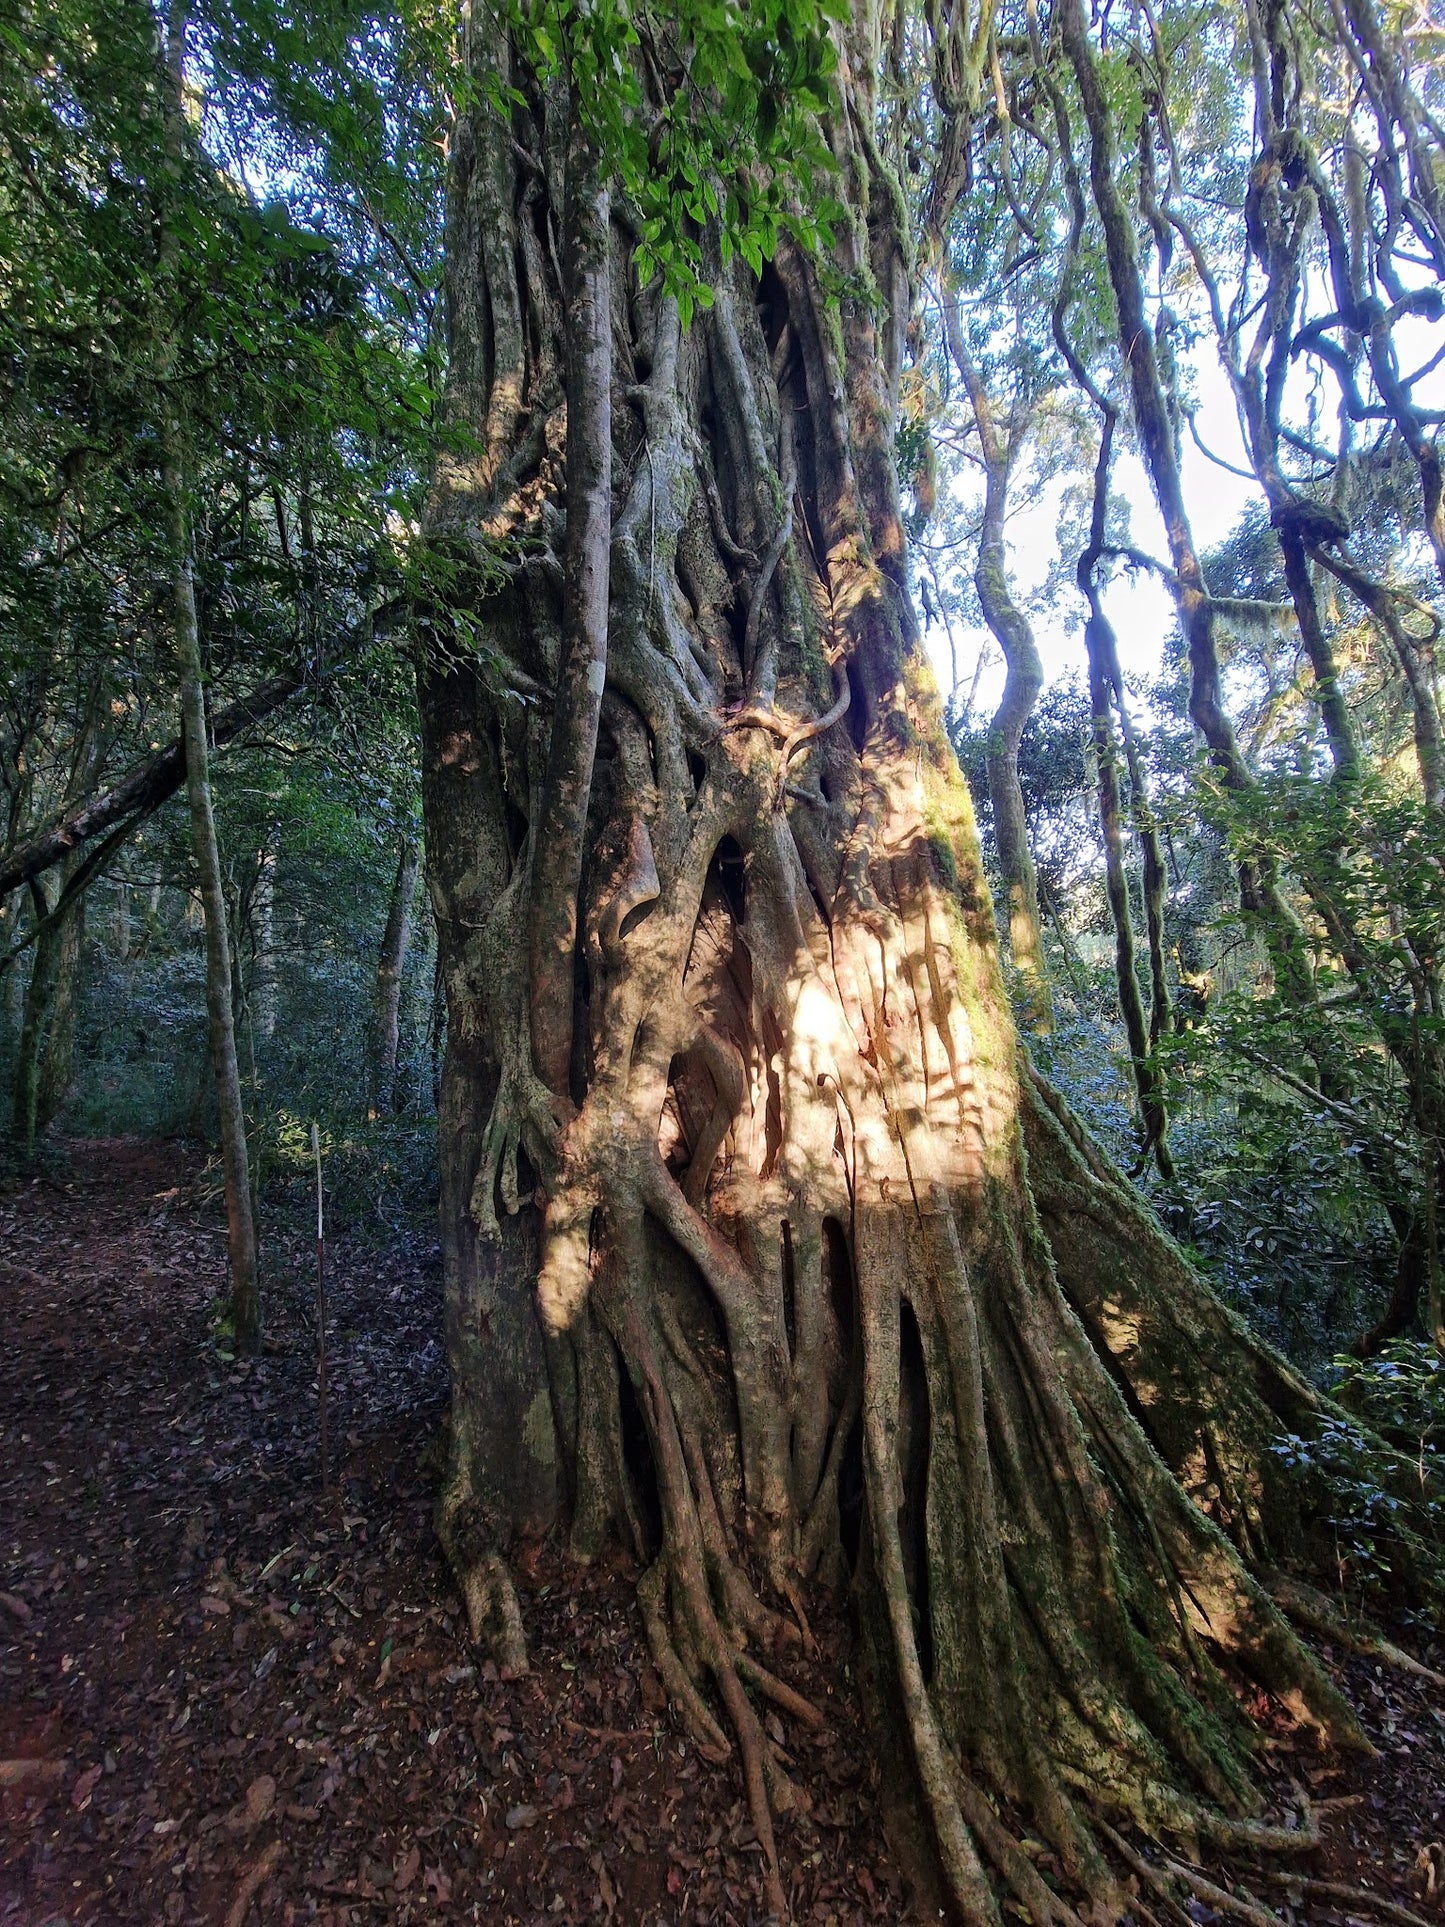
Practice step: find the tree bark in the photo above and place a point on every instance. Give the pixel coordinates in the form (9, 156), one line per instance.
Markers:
(734, 1169)
(263, 935)
(47, 1029)
(386, 998)
(56, 1062)
(34, 1028)
(1106, 689)
(245, 1298)
(1023, 680)
(582, 672)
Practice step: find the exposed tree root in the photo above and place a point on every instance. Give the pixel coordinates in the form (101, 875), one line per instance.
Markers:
(1157, 1880)
(1149, 1874)
(494, 1618)
(652, 1598)
(1240, 1906)
(696, 1627)
(1359, 1897)
(1318, 1614)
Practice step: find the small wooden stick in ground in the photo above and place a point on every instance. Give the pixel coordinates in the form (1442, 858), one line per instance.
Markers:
(255, 1880)
(320, 1305)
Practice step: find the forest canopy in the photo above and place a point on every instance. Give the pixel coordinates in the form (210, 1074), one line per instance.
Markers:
(570, 606)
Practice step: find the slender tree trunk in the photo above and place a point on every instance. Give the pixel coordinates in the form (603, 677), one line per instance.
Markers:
(1106, 688)
(245, 1302)
(1126, 976)
(47, 1028)
(55, 1067)
(1023, 681)
(386, 1000)
(34, 1026)
(245, 1297)
(12, 978)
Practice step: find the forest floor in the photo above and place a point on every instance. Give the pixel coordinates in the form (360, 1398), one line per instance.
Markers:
(225, 1699)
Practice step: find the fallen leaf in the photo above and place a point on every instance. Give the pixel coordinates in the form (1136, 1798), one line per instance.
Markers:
(407, 1871)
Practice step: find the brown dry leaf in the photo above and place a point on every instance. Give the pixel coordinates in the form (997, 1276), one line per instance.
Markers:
(80, 1793)
(407, 1871)
(606, 1891)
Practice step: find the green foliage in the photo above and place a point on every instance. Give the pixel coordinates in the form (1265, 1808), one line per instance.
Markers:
(334, 110)
(1385, 1475)
(1285, 1218)
(310, 832)
(140, 283)
(734, 146)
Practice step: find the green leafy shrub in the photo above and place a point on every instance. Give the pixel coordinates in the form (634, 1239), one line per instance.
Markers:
(1383, 1463)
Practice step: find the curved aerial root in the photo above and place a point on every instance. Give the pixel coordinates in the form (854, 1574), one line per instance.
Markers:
(1026, 1883)
(779, 1692)
(1359, 1898)
(764, 1782)
(1241, 1906)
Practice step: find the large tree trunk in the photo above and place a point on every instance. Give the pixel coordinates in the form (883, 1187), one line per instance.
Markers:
(734, 1169)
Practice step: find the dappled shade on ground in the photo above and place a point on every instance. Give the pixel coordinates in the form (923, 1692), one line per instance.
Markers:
(206, 1664)
(207, 1675)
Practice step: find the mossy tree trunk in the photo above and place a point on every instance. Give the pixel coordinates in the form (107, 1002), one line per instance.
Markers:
(57, 1061)
(736, 1137)
(56, 950)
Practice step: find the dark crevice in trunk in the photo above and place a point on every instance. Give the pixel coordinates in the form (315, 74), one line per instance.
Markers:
(915, 1442)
